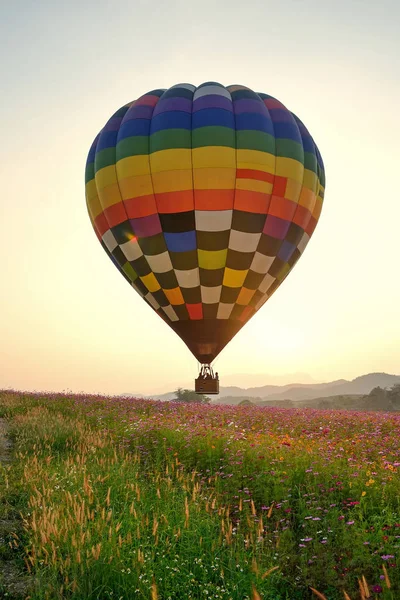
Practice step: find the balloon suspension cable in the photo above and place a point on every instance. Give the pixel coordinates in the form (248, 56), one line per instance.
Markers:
(215, 362)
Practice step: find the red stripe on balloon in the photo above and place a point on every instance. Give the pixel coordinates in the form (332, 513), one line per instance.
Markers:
(254, 174)
(195, 311)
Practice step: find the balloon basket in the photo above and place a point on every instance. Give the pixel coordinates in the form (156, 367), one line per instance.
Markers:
(207, 382)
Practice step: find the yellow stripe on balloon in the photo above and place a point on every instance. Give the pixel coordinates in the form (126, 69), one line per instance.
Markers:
(293, 190)
(212, 259)
(317, 208)
(151, 282)
(133, 166)
(110, 195)
(288, 167)
(283, 272)
(94, 207)
(307, 198)
(234, 278)
(310, 180)
(172, 181)
(171, 160)
(89, 207)
(134, 187)
(255, 159)
(91, 189)
(214, 179)
(106, 176)
(214, 157)
(129, 271)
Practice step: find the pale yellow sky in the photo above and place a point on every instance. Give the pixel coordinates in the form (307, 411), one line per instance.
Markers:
(68, 319)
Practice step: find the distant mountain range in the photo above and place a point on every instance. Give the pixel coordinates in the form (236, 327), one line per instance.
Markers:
(297, 391)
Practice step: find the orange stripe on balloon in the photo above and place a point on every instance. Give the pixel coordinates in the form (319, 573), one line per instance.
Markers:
(115, 214)
(282, 208)
(247, 312)
(213, 199)
(301, 216)
(311, 226)
(101, 224)
(142, 206)
(254, 202)
(317, 208)
(174, 202)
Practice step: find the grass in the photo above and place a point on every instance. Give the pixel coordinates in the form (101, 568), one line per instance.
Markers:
(121, 498)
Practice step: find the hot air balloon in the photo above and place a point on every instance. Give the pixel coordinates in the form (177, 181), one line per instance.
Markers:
(204, 198)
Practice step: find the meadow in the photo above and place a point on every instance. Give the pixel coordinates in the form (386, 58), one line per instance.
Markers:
(128, 498)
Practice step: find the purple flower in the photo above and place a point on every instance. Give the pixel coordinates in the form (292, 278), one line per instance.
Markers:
(377, 589)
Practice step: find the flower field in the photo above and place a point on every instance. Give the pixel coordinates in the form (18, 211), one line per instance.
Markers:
(124, 498)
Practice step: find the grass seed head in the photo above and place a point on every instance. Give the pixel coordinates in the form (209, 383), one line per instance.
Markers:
(387, 580)
(154, 591)
(318, 594)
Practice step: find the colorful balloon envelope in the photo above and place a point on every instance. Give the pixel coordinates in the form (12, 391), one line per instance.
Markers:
(204, 198)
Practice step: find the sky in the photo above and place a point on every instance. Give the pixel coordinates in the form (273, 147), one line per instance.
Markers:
(68, 319)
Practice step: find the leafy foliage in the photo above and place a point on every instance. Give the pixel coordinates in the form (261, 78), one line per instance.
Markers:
(190, 396)
(125, 498)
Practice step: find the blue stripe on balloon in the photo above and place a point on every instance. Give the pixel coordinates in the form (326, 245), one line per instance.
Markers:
(134, 127)
(254, 122)
(287, 131)
(308, 143)
(286, 251)
(171, 119)
(321, 165)
(92, 151)
(107, 139)
(213, 116)
(180, 242)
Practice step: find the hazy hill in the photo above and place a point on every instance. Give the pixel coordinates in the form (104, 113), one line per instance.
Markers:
(297, 392)
(359, 386)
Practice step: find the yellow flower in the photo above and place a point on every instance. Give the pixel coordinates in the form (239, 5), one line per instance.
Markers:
(363, 494)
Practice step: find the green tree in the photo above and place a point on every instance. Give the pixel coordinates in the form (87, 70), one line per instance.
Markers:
(376, 400)
(190, 396)
(245, 402)
(394, 396)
